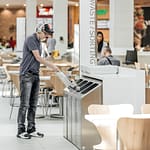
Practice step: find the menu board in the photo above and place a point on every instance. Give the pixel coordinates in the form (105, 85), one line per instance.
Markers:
(44, 12)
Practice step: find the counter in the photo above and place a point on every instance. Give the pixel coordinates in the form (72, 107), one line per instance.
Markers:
(128, 86)
(143, 56)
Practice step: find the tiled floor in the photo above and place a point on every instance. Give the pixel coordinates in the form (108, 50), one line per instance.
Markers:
(52, 128)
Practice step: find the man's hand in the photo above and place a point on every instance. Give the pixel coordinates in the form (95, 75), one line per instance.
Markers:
(55, 68)
(45, 62)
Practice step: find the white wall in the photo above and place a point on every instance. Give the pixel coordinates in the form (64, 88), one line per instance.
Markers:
(121, 24)
(20, 33)
(30, 16)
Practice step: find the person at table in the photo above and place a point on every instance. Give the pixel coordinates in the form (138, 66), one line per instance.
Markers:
(107, 58)
(12, 43)
(51, 43)
(100, 44)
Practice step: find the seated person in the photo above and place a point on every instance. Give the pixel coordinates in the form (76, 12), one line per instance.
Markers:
(107, 58)
(100, 44)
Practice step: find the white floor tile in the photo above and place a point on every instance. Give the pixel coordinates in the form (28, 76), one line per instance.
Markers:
(52, 128)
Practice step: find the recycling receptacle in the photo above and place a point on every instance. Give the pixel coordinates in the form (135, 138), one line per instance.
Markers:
(77, 129)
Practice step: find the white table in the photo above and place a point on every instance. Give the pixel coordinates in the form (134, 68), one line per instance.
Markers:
(104, 117)
(43, 78)
(13, 72)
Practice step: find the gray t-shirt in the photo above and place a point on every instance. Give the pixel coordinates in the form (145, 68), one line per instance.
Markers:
(29, 63)
(51, 43)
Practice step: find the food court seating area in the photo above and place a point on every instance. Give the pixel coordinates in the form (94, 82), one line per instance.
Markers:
(51, 87)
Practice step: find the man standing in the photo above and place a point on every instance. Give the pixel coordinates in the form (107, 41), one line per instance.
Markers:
(29, 81)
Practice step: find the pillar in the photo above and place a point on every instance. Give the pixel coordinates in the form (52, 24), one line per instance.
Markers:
(121, 25)
(87, 34)
(60, 24)
(30, 16)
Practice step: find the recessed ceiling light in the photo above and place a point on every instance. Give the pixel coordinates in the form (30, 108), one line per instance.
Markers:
(24, 5)
(76, 4)
(41, 5)
(7, 5)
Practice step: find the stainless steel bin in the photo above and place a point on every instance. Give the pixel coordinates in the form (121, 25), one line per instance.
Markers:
(77, 129)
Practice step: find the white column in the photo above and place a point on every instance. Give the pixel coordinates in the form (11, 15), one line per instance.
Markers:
(60, 20)
(30, 16)
(87, 34)
(20, 33)
(121, 25)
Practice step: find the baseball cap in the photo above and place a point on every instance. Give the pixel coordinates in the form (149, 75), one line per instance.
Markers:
(44, 28)
(47, 28)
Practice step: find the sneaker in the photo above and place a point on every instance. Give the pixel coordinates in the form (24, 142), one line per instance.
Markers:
(36, 134)
(24, 135)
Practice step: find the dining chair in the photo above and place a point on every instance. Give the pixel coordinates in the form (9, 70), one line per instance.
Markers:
(57, 92)
(11, 85)
(107, 128)
(47, 88)
(3, 75)
(55, 95)
(7, 85)
(15, 92)
(145, 109)
(134, 133)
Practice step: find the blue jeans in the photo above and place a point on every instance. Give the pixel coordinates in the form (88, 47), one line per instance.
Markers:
(29, 90)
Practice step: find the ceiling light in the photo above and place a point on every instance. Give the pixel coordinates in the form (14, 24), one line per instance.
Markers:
(24, 5)
(7, 5)
(76, 4)
(41, 5)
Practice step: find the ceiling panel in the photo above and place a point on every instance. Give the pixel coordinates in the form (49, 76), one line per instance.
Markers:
(19, 2)
(13, 3)
(49, 2)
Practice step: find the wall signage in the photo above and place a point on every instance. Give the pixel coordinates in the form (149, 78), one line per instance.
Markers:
(101, 12)
(103, 24)
(87, 32)
(44, 12)
(92, 32)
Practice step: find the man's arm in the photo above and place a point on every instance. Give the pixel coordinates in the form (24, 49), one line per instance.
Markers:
(43, 61)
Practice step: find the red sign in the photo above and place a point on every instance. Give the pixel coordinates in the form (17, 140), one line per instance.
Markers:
(44, 12)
